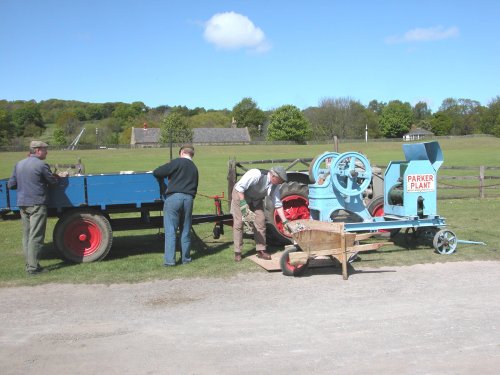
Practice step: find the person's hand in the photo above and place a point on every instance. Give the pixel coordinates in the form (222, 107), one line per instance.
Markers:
(248, 215)
(287, 226)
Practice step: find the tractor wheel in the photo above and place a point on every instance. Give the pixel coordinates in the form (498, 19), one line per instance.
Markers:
(287, 268)
(83, 236)
(296, 206)
(376, 207)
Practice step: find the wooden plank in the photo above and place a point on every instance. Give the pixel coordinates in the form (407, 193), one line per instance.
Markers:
(367, 247)
(268, 265)
(298, 258)
(273, 265)
(365, 236)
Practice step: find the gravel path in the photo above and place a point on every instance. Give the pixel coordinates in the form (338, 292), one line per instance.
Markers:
(424, 319)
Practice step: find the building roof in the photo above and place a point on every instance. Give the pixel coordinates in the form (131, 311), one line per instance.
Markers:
(419, 131)
(221, 135)
(200, 135)
(145, 135)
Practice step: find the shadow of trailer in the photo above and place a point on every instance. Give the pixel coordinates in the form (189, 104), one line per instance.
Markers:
(91, 207)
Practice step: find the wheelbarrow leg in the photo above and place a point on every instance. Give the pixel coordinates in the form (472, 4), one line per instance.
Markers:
(344, 266)
(343, 255)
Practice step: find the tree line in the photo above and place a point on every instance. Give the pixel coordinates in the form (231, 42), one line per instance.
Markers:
(111, 123)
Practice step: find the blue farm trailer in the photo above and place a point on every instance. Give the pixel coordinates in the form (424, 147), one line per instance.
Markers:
(86, 206)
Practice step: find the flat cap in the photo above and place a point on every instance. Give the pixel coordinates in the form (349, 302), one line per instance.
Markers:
(280, 172)
(38, 144)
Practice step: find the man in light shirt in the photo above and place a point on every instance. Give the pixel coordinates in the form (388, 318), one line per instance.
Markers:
(248, 203)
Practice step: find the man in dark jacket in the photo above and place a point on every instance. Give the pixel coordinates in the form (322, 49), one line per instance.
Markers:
(32, 177)
(181, 190)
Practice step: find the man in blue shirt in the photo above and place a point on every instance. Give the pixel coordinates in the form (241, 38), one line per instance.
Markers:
(32, 177)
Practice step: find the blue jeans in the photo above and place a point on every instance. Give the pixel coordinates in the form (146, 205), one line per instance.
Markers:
(177, 211)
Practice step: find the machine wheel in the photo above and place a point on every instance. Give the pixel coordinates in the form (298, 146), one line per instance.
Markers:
(83, 236)
(445, 242)
(351, 173)
(287, 268)
(321, 163)
(296, 206)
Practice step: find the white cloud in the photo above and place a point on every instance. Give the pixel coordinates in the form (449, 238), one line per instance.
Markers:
(231, 30)
(424, 35)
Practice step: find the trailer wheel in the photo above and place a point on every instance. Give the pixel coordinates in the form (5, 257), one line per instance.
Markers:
(83, 236)
(287, 268)
(296, 206)
(445, 242)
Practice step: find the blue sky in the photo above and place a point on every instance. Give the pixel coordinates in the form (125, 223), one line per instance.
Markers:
(212, 54)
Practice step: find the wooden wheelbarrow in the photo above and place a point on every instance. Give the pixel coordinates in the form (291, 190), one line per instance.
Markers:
(316, 239)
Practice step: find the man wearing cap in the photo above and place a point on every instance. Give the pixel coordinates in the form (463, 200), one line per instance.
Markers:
(248, 203)
(180, 192)
(31, 178)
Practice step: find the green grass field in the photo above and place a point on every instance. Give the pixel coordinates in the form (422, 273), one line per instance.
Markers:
(137, 255)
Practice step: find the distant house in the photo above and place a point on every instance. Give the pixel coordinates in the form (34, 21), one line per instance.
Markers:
(221, 135)
(145, 137)
(416, 134)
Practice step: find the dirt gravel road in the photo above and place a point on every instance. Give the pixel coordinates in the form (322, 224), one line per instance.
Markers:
(424, 319)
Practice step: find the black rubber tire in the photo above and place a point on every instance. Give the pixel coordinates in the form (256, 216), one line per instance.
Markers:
(376, 206)
(287, 268)
(292, 193)
(83, 236)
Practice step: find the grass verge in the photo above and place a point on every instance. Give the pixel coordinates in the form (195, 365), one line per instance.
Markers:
(137, 256)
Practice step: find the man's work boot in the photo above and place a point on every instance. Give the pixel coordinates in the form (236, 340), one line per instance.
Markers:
(263, 255)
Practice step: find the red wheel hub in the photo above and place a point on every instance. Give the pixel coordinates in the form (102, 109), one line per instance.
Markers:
(296, 207)
(82, 237)
(293, 268)
(378, 210)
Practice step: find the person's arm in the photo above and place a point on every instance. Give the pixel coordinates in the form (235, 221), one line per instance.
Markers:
(12, 183)
(278, 206)
(284, 220)
(163, 171)
(240, 195)
(48, 175)
(281, 214)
